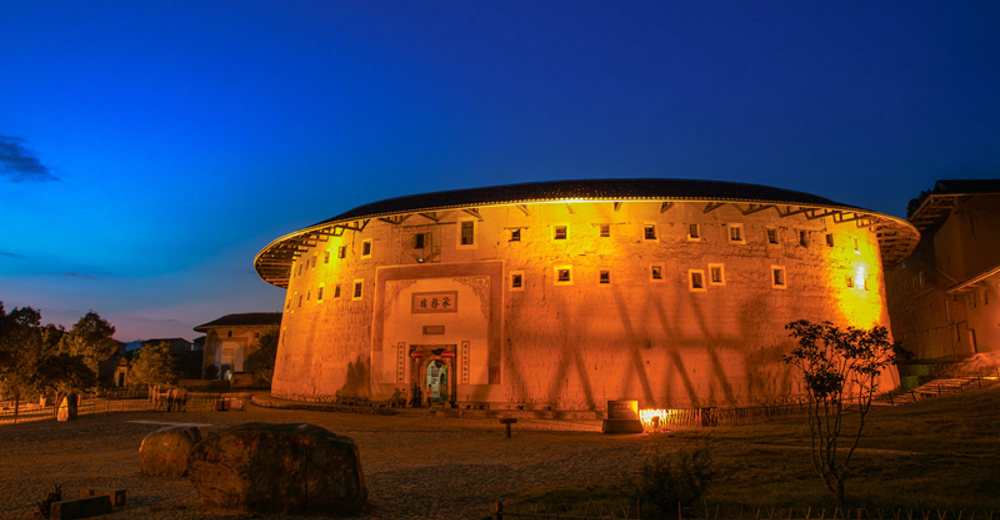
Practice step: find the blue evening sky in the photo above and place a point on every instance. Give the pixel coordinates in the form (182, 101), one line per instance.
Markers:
(150, 149)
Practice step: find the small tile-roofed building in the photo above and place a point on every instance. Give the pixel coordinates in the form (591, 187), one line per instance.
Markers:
(231, 338)
(568, 294)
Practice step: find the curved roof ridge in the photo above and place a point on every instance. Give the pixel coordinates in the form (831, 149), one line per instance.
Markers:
(586, 189)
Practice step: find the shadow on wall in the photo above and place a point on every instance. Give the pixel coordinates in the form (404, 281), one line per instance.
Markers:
(743, 365)
(357, 381)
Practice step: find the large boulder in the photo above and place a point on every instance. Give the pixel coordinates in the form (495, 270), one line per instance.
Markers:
(279, 468)
(164, 452)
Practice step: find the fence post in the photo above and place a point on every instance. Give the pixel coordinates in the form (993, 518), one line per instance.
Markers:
(499, 511)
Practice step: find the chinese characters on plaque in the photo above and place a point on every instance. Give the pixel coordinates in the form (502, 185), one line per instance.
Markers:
(433, 302)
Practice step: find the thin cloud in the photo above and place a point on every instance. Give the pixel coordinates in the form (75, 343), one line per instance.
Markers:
(79, 275)
(19, 164)
(12, 255)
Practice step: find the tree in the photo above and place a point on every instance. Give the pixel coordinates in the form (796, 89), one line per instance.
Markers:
(261, 360)
(91, 338)
(24, 345)
(837, 367)
(154, 366)
(64, 374)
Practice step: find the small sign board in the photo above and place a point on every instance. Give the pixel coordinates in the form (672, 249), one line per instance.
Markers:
(434, 302)
(448, 354)
(623, 410)
(416, 354)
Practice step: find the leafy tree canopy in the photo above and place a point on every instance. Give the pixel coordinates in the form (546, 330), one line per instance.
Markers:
(154, 366)
(63, 374)
(91, 338)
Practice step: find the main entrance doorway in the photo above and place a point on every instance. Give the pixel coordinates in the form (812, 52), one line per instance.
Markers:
(432, 375)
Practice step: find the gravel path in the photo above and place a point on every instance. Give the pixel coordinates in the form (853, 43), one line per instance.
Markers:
(416, 465)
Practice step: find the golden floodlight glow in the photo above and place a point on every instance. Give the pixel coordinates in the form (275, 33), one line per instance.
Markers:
(654, 418)
(857, 290)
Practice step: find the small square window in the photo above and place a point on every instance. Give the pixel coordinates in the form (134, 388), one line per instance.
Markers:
(326, 257)
(778, 279)
(559, 233)
(829, 240)
(336, 291)
(366, 248)
(319, 294)
(517, 281)
(864, 283)
(563, 275)
(696, 279)
(312, 263)
(358, 285)
(418, 241)
(736, 232)
(857, 246)
(256, 335)
(468, 233)
(716, 274)
(308, 294)
(605, 230)
(694, 232)
(300, 301)
(605, 277)
(649, 231)
(656, 272)
(515, 235)
(804, 238)
(229, 334)
(772, 236)
(342, 252)
(850, 281)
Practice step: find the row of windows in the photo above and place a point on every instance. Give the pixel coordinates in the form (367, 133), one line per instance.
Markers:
(563, 275)
(561, 232)
(297, 298)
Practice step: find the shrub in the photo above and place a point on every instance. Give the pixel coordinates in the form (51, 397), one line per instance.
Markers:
(665, 481)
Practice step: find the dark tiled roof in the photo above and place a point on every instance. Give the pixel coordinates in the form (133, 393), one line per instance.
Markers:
(954, 186)
(248, 319)
(590, 189)
(160, 340)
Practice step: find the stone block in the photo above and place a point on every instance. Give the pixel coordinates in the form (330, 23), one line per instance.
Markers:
(164, 452)
(117, 495)
(81, 507)
(622, 426)
(279, 468)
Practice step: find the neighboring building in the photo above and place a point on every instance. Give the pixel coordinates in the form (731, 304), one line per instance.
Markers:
(231, 338)
(187, 360)
(943, 298)
(115, 369)
(568, 294)
(176, 344)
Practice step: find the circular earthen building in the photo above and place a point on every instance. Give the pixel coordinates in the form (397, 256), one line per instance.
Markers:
(567, 294)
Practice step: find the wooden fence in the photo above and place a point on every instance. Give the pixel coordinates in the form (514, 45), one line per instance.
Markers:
(32, 412)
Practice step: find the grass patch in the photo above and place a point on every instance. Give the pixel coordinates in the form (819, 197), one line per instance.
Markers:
(939, 453)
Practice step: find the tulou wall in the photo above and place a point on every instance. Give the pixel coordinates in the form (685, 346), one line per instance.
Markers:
(570, 304)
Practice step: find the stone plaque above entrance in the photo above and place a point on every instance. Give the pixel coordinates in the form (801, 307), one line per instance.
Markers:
(432, 302)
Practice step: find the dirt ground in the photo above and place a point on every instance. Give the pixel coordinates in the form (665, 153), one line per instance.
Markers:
(416, 465)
